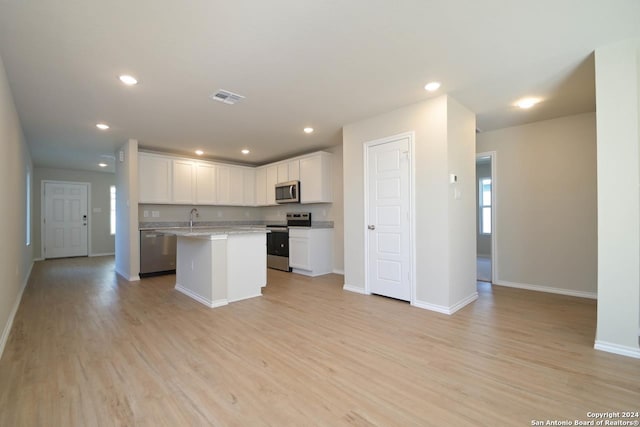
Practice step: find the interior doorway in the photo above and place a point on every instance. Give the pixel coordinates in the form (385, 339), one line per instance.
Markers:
(485, 214)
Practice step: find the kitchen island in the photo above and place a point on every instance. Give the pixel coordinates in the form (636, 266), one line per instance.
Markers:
(216, 266)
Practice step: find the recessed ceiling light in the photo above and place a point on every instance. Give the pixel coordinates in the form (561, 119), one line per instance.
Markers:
(102, 126)
(308, 130)
(245, 151)
(199, 152)
(102, 165)
(128, 80)
(432, 86)
(527, 102)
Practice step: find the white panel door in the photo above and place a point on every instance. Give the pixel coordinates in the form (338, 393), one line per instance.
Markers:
(389, 231)
(65, 220)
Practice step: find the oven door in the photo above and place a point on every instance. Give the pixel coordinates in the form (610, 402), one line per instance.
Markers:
(278, 242)
(278, 248)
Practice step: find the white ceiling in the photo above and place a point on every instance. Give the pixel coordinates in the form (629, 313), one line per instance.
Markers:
(318, 63)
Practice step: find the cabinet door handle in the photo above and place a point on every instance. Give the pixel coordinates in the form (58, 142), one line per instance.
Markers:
(371, 227)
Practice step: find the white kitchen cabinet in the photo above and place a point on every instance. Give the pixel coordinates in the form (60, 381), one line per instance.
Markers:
(224, 185)
(310, 250)
(294, 170)
(249, 186)
(236, 186)
(206, 184)
(183, 182)
(315, 178)
(261, 186)
(283, 172)
(272, 180)
(154, 178)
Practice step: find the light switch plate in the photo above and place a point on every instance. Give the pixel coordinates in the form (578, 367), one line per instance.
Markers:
(155, 214)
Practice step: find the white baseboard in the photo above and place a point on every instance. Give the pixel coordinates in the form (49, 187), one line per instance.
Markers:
(209, 303)
(38, 259)
(568, 292)
(309, 273)
(444, 309)
(240, 299)
(135, 278)
(355, 289)
(104, 254)
(622, 350)
(336, 271)
(433, 307)
(14, 310)
(463, 302)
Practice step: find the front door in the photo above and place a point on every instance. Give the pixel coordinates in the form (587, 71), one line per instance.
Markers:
(65, 220)
(389, 244)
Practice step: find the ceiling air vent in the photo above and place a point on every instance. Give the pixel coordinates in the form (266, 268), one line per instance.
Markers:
(226, 97)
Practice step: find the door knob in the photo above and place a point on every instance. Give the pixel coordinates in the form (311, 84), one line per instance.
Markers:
(371, 227)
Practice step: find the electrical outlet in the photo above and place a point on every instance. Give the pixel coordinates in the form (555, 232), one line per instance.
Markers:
(219, 214)
(146, 214)
(155, 214)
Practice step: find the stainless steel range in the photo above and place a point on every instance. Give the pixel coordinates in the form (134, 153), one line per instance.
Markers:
(278, 240)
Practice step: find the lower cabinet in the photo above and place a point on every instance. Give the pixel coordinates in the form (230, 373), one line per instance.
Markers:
(311, 250)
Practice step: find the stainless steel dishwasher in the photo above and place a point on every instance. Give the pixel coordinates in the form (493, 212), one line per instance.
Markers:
(157, 252)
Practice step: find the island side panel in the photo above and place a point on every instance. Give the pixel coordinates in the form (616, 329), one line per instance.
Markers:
(194, 272)
(246, 265)
(219, 271)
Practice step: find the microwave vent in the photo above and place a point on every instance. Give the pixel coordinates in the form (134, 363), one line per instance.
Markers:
(226, 97)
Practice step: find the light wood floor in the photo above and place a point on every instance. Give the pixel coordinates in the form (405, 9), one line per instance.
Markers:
(88, 349)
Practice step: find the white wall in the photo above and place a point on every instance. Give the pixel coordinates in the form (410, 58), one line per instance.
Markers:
(483, 246)
(618, 128)
(16, 258)
(127, 234)
(445, 227)
(546, 216)
(102, 242)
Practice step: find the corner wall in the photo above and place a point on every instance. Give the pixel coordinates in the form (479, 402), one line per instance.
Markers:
(16, 258)
(445, 226)
(618, 128)
(546, 205)
(127, 234)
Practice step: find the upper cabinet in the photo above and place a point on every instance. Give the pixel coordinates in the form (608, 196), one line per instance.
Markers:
(294, 170)
(206, 184)
(315, 178)
(249, 186)
(272, 180)
(154, 178)
(166, 179)
(184, 179)
(261, 186)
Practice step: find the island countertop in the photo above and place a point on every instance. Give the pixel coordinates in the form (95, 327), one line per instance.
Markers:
(215, 232)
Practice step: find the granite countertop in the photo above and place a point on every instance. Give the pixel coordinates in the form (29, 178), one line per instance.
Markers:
(215, 232)
(184, 225)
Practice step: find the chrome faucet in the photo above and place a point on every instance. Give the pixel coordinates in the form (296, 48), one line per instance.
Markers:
(193, 211)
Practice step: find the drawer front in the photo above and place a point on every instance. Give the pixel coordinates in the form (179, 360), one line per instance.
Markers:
(299, 232)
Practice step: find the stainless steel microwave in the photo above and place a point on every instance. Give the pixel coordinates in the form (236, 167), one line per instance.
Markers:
(288, 192)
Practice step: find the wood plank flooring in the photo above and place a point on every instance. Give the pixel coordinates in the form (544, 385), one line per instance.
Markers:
(90, 349)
